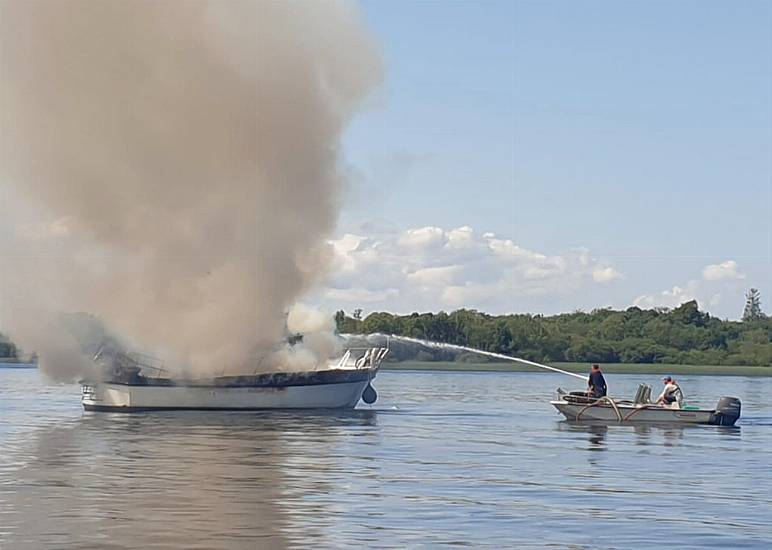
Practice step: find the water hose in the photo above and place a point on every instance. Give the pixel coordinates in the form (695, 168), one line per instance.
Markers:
(631, 413)
(601, 400)
(443, 345)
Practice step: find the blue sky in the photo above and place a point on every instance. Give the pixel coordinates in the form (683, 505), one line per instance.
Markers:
(630, 137)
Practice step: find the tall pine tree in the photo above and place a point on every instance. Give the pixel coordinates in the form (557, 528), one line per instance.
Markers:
(752, 311)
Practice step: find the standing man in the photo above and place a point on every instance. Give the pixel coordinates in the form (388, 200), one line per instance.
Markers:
(596, 384)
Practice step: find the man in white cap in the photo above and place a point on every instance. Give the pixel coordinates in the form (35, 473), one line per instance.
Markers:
(671, 397)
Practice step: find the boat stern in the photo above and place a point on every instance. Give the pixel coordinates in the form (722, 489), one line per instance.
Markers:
(727, 411)
(97, 396)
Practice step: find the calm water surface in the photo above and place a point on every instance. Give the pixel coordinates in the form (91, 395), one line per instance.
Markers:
(442, 459)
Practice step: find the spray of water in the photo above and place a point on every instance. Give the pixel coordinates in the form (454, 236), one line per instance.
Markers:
(455, 347)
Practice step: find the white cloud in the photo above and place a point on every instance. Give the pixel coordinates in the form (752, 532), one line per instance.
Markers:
(508, 249)
(670, 298)
(724, 271)
(605, 274)
(719, 283)
(717, 280)
(706, 296)
(432, 276)
(430, 268)
(356, 295)
(462, 237)
(423, 237)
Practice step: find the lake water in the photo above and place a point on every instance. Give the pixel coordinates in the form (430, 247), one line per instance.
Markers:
(441, 460)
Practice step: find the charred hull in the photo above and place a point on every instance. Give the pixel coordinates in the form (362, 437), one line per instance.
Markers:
(332, 389)
(264, 380)
(130, 385)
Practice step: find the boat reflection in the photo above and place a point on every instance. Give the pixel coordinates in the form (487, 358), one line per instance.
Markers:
(192, 480)
(596, 432)
(646, 434)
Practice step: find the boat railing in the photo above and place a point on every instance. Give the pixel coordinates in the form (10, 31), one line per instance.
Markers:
(363, 358)
(121, 359)
(150, 366)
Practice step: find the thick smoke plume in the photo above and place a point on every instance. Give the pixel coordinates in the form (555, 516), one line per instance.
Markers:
(172, 167)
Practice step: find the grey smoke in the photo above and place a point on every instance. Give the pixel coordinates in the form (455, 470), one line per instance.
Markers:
(173, 167)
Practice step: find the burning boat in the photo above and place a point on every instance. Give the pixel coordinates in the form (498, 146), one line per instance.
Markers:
(132, 382)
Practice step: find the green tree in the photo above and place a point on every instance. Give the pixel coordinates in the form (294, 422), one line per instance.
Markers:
(382, 322)
(340, 319)
(752, 311)
(7, 350)
(502, 338)
(689, 313)
(683, 335)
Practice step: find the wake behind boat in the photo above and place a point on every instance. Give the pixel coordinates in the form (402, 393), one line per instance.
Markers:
(578, 406)
(132, 382)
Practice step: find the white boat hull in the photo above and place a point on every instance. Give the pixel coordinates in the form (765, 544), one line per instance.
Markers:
(130, 382)
(114, 397)
(625, 413)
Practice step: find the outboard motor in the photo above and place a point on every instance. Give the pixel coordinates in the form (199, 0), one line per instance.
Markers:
(727, 411)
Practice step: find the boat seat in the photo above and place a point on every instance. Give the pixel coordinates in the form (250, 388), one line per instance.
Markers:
(642, 395)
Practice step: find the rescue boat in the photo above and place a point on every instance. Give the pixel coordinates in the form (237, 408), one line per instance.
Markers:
(577, 406)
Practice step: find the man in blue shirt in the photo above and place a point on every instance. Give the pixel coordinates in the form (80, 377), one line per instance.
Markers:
(596, 383)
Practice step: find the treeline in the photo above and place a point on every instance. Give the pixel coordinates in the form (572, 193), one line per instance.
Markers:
(7, 348)
(684, 335)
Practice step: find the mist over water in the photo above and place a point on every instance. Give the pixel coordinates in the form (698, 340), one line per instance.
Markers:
(173, 169)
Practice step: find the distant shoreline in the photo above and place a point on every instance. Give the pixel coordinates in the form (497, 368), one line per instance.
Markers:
(6, 364)
(581, 368)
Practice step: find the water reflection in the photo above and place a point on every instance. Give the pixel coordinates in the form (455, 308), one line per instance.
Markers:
(597, 437)
(172, 480)
(729, 432)
(447, 460)
(597, 432)
(673, 436)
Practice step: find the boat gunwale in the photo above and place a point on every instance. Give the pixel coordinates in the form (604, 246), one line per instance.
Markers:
(682, 417)
(263, 380)
(647, 406)
(129, 409)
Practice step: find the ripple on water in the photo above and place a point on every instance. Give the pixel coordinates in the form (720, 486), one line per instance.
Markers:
(443, 459)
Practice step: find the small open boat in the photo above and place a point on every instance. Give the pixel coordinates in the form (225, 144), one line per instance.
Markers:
(131, 382)
(578, 406)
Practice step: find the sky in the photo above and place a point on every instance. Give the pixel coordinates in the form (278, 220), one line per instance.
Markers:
(546, 156)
